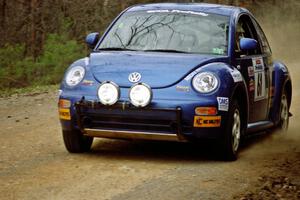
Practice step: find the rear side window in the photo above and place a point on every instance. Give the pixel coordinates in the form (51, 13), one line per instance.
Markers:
(263, 39)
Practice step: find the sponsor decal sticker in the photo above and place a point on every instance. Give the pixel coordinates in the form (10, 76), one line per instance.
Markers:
(207, 121)
(251, 85)
(158, 11)
(258, 64)
(258, 61)
(237, 76)
(218, 51)
(178, 11)
(260, 91)
(251, 71)
(182, 88)
(223, 103)
(87, 82)
(64, 114)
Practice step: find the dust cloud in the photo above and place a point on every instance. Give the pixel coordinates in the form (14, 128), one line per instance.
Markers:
(281, 23)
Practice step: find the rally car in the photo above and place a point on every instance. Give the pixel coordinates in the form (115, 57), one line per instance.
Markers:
(175, 72)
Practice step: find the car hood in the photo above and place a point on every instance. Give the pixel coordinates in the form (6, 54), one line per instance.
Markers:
(157, 69)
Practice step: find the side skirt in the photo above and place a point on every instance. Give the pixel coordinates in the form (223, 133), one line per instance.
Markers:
(259, 126)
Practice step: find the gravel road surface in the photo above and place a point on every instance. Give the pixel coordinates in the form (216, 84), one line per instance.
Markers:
(35, 165)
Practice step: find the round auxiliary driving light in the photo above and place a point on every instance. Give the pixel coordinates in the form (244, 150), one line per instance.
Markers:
(140, 95)
(108, 93)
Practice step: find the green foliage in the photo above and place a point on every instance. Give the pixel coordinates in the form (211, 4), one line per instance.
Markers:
(19, 71)
(9, 57)
(59, 52)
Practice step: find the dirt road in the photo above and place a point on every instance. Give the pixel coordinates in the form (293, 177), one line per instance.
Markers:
(35, 165)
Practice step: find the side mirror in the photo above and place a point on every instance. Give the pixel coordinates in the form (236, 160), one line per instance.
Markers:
(92, 39)
(248, 44)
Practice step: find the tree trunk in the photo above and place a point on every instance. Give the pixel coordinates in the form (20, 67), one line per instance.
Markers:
(3, 13)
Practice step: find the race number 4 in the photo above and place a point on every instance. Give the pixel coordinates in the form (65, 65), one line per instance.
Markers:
(259, 78)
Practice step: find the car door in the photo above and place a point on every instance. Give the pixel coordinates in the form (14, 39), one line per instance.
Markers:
(254, 65)
(267, 52)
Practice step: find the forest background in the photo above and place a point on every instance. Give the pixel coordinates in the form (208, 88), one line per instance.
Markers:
(39, 39)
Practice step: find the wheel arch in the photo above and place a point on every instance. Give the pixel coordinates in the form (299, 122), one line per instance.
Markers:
(282, 81)
(241, 95)
(288, 88)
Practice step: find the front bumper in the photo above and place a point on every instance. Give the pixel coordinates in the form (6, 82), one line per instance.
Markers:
(125, 121)
(154, 122)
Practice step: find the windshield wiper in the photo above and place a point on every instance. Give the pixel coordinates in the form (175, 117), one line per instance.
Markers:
(115, 49)
(165, 50)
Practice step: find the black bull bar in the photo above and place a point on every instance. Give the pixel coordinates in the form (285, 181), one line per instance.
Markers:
(83, 106)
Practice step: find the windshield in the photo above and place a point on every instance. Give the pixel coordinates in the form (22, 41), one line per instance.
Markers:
(169, 30)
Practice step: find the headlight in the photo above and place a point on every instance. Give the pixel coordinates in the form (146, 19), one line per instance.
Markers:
(75, 75)
(108, 93)
(140, 95)
(205, 82)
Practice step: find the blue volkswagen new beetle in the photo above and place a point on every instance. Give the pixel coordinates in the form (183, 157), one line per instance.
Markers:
(175, 72)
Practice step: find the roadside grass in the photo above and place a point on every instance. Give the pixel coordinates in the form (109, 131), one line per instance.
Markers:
(28, 91)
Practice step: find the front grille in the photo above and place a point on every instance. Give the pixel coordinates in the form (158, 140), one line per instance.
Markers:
(124, 116)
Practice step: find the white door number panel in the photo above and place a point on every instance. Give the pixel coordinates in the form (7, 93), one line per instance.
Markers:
(260, 91)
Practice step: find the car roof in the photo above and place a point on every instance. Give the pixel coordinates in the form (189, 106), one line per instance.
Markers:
(195, 7)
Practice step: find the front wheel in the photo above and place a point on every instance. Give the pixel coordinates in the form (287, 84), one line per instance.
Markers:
(75, 142)
(232, 138)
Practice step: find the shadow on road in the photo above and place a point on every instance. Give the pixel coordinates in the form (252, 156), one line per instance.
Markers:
(153, 150)
(167, 151)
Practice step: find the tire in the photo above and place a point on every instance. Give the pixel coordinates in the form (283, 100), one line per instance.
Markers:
(75, 142)
(233, 133)
(284, 112)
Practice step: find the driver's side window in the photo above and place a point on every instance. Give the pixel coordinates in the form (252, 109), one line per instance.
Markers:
(245, 29)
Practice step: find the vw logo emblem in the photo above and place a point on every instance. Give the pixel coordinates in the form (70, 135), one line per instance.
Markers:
(134, 77)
